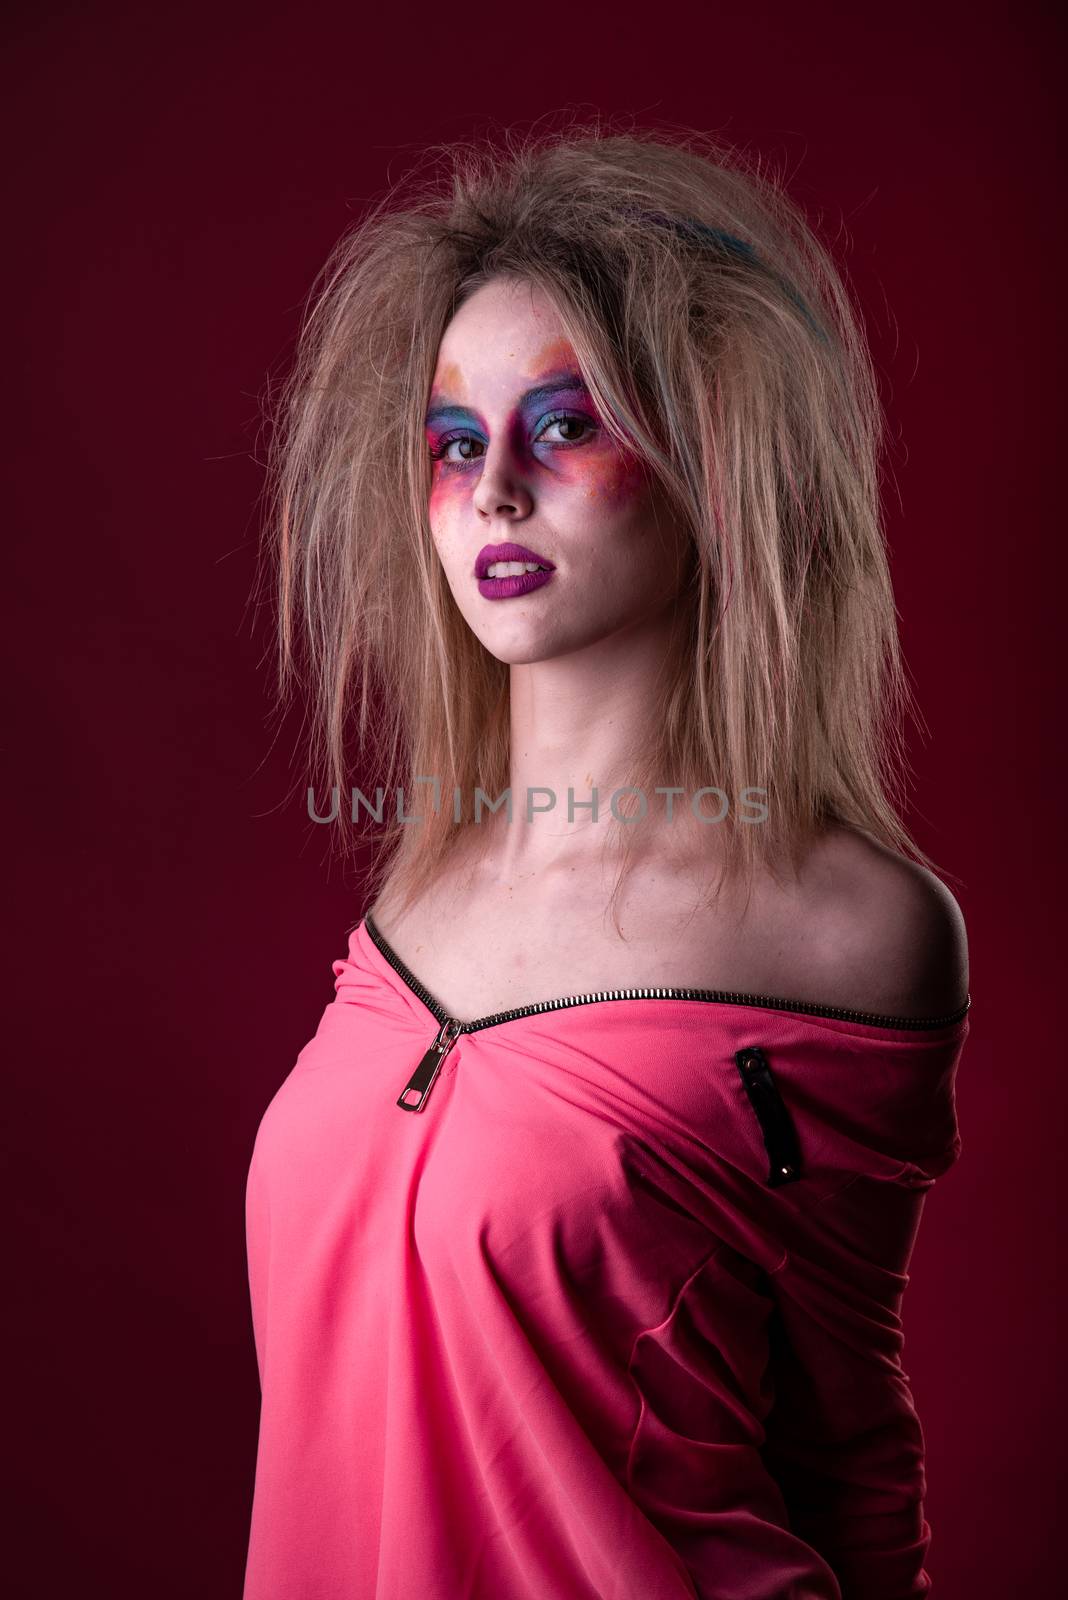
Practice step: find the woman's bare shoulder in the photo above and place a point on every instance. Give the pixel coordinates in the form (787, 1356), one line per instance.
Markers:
(886, 931)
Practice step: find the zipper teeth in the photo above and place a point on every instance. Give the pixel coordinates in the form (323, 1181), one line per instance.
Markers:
(718, 996)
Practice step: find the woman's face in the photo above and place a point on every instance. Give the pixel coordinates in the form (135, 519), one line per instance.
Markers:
(521, 457)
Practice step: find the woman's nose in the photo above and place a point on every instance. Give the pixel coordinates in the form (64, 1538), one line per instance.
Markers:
(501, 490)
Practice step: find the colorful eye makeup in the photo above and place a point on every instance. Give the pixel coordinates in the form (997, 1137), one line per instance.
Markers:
(556, 414)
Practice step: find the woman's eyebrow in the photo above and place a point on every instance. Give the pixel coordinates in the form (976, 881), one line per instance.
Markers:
(552, 383)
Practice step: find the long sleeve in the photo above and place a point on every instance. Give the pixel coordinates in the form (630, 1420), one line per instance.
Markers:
(843, 1438)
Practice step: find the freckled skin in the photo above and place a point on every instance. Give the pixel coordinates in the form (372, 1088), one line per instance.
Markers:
(569, 493)
(615, 481)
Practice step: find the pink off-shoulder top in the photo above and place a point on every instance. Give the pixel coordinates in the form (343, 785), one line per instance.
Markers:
(597, 1299)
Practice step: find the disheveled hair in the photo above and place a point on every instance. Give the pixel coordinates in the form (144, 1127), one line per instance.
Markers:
(719, 342)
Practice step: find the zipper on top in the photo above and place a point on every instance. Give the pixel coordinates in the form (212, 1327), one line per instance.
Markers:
(450, 1028)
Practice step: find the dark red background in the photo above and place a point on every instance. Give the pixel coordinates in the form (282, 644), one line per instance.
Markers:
(178, 178)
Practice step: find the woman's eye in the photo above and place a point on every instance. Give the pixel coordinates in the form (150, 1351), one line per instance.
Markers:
(567, 427)
(462, 447)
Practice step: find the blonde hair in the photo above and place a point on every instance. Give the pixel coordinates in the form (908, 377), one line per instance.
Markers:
(719, 341)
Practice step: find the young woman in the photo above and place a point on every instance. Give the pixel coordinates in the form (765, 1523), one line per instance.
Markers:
(578, 1232)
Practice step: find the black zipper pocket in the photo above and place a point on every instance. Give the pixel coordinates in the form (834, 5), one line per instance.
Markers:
(780, 1135)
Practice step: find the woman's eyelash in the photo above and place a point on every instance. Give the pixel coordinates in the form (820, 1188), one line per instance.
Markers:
(565, 416)
(437, 452)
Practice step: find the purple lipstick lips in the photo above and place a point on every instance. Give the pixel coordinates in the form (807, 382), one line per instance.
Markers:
(508, 588)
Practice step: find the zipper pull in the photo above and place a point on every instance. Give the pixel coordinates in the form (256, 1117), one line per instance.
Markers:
(422, 1079)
